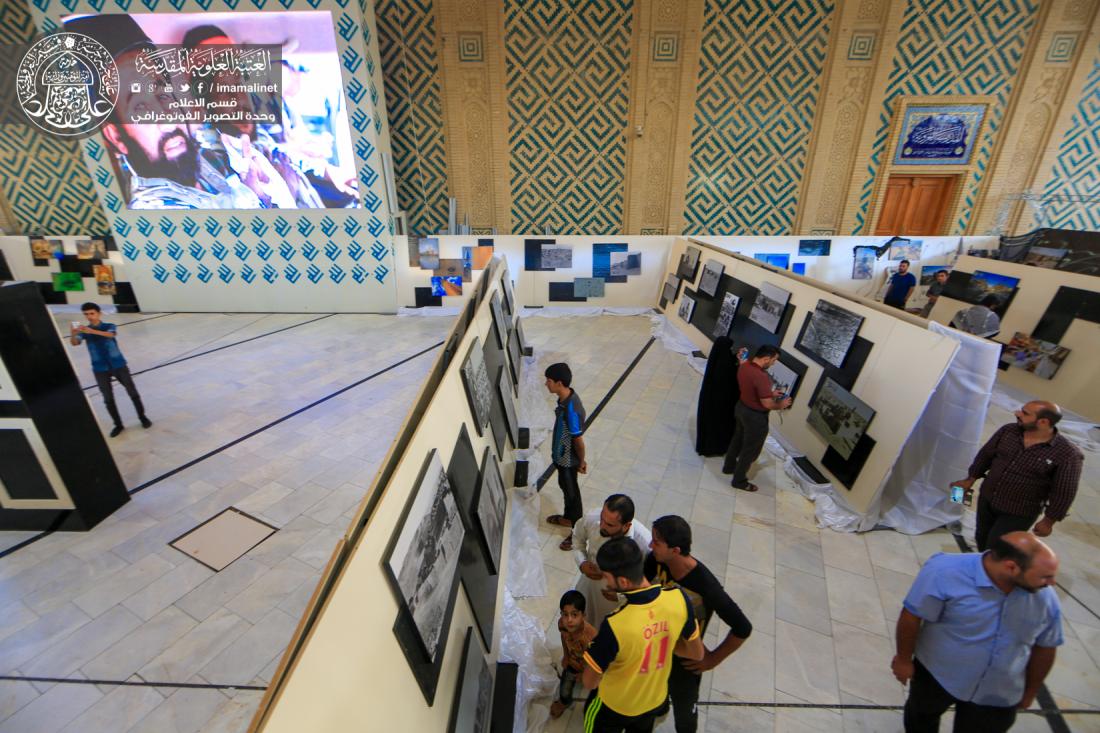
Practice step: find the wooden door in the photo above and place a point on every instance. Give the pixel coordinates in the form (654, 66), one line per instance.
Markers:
(916, 205)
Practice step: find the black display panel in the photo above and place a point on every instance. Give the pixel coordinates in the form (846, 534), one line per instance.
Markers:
(20, 471)
(847, 470)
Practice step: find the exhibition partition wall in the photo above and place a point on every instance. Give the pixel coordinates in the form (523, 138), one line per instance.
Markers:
(383, 643)
(294, 217)
(1050, 326)
(860, 373)
(71, 270)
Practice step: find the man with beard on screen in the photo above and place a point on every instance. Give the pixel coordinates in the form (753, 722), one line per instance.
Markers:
(159, 164)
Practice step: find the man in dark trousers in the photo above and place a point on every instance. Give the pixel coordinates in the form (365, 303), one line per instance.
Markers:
(1029, 469)
(757, 399)
(107, 362)
(567, 447)
(628, 664)
(979, 631)
(902, 285)
(671, 564)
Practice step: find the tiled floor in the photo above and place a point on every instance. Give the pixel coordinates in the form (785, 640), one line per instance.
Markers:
(117, 603)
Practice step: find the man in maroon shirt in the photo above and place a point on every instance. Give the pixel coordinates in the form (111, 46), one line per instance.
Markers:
(751, 413)
(1029, 469)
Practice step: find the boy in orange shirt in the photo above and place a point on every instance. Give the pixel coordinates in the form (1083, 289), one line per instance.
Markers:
(576, 635)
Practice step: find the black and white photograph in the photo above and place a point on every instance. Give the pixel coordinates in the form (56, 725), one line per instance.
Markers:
(624, 264)
(557, 257)
(726, 315)
(515, 355)
(479, 390)
(672, 285)
(474, 697)
(687, 308)
(712, 273)
(784, 379)
(830, 332)
(424, 557)
(767, 309)
(503, 329)
(509, 295)
(505, 388)
(689, 263)
(839, 417)
(492, 503)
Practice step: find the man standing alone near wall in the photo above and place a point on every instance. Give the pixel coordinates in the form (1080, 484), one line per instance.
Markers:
(756, 401)
(107, 363)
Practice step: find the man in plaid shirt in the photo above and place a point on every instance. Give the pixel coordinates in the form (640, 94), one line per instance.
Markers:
(1029, 469)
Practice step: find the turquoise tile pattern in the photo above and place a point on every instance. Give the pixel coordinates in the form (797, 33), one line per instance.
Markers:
(568, 73)
(759, 81)
(44, 179)
(1077, 168)
(414, 101)
(953, 47)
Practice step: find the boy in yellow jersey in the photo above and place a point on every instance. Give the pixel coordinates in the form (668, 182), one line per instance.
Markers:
(628, 664)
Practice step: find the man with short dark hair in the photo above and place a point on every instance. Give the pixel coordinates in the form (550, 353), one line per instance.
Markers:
(751, 415)
(935, 290)
(1029, 469)
(979, 631)
(590, 533)
(628, 663)
(567, 446)
(671, 564)
(981, 319)
(902, 285)
(107, 362)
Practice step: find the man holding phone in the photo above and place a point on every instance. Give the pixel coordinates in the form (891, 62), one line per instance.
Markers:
(758, 398)
(107, 362)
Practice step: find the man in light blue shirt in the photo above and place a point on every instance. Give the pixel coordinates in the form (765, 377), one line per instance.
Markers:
(979, 631)
(107, 362)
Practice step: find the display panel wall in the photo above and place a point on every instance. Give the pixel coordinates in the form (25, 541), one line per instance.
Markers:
(893, 364)
(271, 259)
(1058, 307)
(98, 273)
(348, 658)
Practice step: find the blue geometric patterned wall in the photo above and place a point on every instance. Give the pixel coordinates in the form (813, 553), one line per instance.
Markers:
(1077, 168)
(759, 79)
(568, 73)
(954, 47)
(406, 39)
(44, 179)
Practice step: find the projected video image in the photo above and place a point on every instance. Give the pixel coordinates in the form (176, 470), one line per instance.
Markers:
(227, 110)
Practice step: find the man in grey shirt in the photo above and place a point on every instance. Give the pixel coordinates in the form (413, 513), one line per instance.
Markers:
(934, 292)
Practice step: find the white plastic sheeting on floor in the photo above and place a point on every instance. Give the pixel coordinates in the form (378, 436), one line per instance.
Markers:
(673, 339)
(523, 642)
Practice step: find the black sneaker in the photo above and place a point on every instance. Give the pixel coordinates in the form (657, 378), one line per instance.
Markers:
(146, 422)
(116, 430)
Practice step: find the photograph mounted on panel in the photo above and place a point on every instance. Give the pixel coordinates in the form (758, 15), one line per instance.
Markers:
(91, 249)
(726, 315)
(689, 263)
(601, 261)
(588, 287)
(990, 283)
(423, 557)
(557, 257)
(687, 308)
(442, 286)
(814, 247)
(473, 705)
(624, 264)
(44, 250)
(429, 253)
(783, 377)
(1041, 358)
(509, 295)
(939, 134)
(671, 288)
(532, 254)
(767, 309)
(68, 282)
(906, 249)
(490, 506)
(712, 273)
(104, 279)
(928, 273)
(504, 388)
(863, 263)
(798, 268)
(479, 390)
(839, 417)
(782, 261)
(1047, 257)
(499, 319)
(515, 356)
(477, 258)
(830, 332)
(262, 127)
(452, 268)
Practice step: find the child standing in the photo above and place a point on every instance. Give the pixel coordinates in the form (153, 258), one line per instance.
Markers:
(567, 448)
(107, 363)
(576, 635)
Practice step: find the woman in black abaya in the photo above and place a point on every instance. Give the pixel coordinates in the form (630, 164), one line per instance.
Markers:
(718, 396)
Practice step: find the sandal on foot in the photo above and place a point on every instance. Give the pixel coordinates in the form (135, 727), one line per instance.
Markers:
(750, 488)
(559, 521)
(566, 544)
